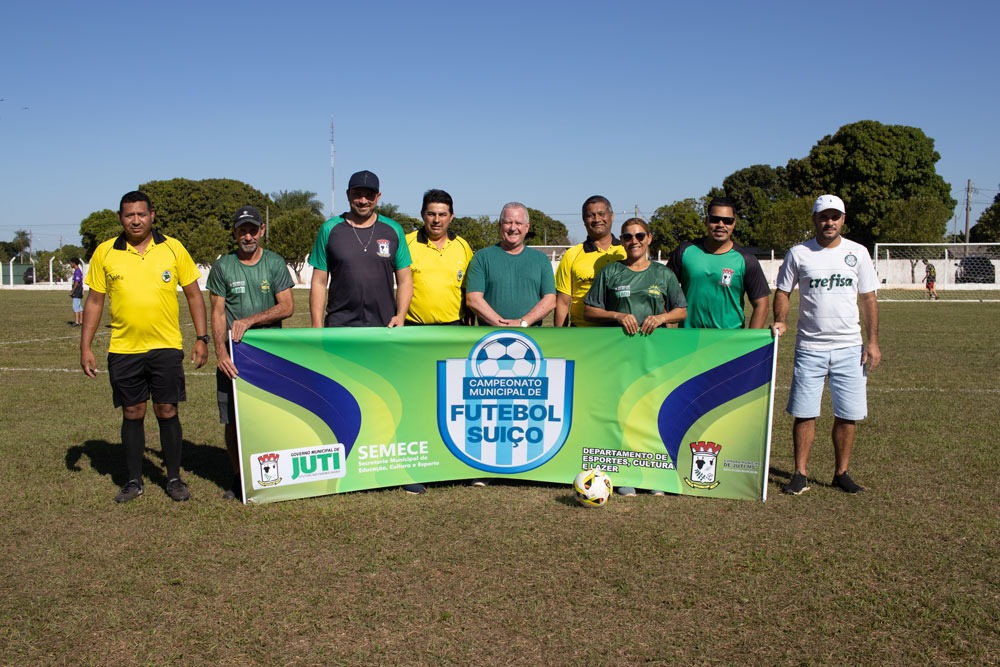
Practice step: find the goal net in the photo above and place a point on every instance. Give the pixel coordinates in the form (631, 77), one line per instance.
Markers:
(960, 271)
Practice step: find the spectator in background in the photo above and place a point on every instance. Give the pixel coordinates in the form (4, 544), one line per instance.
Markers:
(930, 278)
(76, 292)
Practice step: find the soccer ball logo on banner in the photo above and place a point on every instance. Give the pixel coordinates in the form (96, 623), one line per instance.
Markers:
(506, 357)
(505, 408)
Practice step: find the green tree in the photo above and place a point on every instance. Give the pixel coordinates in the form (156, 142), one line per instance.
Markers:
(207, 242)
(478, 232)
(917, 220)
(97, 228)
(60, 269)
(68, 252)
(297, 217)
(870, 166)
(546, 230)
(288, 200)
(785, 223)
(22, 244)
(199, 213)
(7, 251)
(676, 223)
(754, 189)
(292, 233)
(987, 228)
(407, 222)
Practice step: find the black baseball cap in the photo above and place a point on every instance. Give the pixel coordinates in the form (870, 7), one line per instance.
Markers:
(363, 179)
(247, 214)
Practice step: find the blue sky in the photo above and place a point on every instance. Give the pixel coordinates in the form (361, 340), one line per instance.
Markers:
(541, 102)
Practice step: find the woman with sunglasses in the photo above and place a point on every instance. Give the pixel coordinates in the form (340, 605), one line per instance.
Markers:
(637, 294)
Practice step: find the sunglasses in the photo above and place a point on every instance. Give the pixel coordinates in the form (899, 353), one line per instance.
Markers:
(723, 219)
(638, 236)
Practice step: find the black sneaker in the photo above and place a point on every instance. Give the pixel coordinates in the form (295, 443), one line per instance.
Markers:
(797, 485)
(131, 491)
(414, 489)
(846, 484)
(178, 490)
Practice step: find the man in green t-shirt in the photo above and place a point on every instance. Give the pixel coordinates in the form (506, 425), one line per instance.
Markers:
(249, 288)
(716, 273)
(510, 284)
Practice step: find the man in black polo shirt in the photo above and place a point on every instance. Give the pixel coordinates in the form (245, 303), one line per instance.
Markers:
(357, 258)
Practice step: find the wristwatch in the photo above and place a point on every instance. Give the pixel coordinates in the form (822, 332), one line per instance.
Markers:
(204, 339)
(524, 323)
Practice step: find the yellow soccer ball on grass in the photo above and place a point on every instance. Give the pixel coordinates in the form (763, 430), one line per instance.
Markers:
(592, 488)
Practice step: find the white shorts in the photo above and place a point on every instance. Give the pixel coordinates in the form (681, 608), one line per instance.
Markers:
(848, 383)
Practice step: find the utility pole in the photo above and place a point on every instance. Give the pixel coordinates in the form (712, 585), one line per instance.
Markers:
(968, 208)
(333, 185)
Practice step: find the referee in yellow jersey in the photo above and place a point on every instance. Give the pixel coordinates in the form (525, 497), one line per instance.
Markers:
(440, 259)
(139, 271)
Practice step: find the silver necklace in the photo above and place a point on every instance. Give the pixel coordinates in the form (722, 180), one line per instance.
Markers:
(370, 236)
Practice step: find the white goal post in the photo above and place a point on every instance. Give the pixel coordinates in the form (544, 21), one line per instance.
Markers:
(963, 271)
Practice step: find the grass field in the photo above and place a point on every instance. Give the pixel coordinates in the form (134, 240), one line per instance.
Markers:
(904, 574)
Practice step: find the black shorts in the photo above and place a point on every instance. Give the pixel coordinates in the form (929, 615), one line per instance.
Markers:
(224, 394)
(456, 323)
(137, 377)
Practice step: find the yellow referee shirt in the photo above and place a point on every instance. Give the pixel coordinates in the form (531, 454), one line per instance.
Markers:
(438, 278)
(143, 291)
(576, 272)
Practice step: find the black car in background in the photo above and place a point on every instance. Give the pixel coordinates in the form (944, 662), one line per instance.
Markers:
(975, 269)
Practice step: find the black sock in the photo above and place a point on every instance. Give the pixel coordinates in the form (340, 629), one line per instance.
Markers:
(134, 440)
(170, 442)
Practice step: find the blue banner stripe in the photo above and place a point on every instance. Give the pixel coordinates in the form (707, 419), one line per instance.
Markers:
(322, 396)
(713, 388)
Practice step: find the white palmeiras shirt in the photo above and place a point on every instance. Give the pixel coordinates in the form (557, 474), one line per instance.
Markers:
(829, 281)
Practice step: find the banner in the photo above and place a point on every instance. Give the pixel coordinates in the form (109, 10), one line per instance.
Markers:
(323, 411)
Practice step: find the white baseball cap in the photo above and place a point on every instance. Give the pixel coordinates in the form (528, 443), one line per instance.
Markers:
(826, 202)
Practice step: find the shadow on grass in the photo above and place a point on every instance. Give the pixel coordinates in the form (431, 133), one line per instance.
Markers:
(209, 463)
(779, 475)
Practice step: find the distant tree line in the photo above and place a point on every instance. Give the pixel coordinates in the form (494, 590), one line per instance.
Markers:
(199, 214)
(885, 173)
